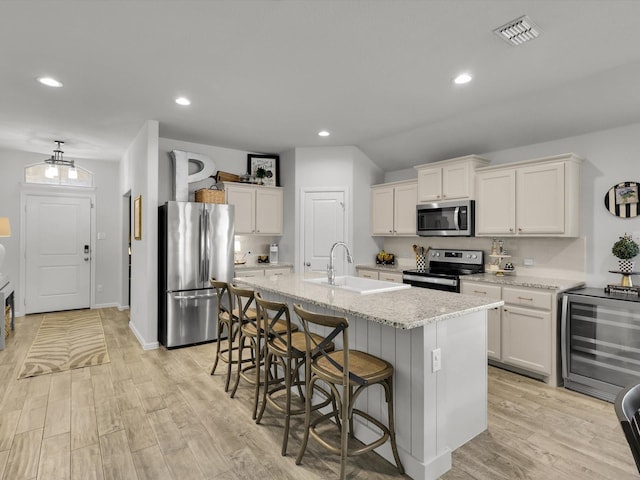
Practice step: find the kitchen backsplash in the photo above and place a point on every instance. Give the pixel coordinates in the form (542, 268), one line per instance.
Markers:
(555, 257)
(257, 245)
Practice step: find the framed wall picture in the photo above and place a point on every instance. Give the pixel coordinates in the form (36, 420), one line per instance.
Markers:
(137, 218)
(266, 168)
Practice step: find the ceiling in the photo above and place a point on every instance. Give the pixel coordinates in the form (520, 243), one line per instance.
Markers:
(266, 76)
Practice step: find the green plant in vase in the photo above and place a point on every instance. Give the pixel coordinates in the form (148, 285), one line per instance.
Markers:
(625, 249)
(261, 173)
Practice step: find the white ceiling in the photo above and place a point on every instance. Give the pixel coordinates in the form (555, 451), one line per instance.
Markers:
(266, 76)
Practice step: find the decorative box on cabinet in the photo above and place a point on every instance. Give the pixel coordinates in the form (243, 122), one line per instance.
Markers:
(523, 334)
(449, 179)
(538, 197)
(393, 209)
(259, 209)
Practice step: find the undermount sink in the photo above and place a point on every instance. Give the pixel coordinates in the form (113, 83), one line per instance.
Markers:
(364, 286)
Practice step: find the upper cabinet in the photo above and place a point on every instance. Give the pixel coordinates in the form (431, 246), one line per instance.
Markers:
(259, 209)
(538, 197)
(448, 180)
(393, 209)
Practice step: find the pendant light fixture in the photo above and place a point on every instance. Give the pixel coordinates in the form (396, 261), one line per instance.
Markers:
(57, 159)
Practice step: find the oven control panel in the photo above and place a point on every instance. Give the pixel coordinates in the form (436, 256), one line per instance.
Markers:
(475, 257)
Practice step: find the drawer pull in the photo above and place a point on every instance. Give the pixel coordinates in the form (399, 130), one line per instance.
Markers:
(525, 298)
(480, 291)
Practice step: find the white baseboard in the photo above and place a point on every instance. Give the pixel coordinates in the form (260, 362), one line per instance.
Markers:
(105, 305)
(122, 308)
(145, 345)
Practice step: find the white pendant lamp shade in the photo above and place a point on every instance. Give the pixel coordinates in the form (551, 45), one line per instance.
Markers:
(5, 231)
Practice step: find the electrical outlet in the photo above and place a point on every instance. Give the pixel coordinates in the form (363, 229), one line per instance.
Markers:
(528, 261)
(436, 360)
(99, 288)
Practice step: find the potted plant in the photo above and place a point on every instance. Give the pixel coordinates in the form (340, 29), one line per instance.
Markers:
(625, 249)
(261, 172)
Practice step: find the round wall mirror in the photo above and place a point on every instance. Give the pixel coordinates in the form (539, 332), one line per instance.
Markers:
(622, 200)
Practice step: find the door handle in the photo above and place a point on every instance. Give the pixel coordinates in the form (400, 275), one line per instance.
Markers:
(307, 264)
(86, 259)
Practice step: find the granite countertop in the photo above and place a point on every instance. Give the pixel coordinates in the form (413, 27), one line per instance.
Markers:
(559, 284)
(404, 309)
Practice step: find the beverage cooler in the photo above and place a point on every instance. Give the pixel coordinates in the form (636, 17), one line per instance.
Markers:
(600, 342)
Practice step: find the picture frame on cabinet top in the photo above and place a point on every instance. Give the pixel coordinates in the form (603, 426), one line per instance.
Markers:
(270, 163)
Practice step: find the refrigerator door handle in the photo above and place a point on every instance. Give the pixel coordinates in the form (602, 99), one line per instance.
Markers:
(201, 249)
(205, 277)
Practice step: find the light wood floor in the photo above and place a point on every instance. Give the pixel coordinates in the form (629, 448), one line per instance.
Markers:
(160, 415)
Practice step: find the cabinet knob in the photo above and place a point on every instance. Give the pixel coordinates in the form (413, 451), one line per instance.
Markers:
(390, 231)
(307, 264)
(444, 196)
(511, 229)
(519, 229)
(257, 231)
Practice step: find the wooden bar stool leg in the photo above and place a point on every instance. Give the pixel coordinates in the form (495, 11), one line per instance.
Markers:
(388, 387)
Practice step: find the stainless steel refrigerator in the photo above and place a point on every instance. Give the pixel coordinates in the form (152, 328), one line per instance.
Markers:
(195, 245)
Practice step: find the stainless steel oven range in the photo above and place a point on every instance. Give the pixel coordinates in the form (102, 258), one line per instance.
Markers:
(444, 269)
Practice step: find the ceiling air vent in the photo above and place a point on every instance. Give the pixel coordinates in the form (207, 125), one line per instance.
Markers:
(518, 31)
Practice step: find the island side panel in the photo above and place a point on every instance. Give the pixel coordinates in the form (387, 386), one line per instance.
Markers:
(464, 372)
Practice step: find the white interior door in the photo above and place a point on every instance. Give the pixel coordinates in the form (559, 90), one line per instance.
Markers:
(323, 224)
(57, 251)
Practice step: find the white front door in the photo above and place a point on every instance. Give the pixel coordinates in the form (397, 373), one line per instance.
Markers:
(323, 224)
(57, 251)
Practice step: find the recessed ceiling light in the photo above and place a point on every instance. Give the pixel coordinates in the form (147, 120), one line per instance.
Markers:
(323, 133)
(462, 79)
(184, 101)
(50, 82)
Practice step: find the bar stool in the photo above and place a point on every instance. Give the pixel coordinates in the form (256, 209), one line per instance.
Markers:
(250, 338)
(229, 321)
(352, 370)
(285, 350)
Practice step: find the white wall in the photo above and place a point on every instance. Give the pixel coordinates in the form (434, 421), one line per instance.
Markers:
(12, 163)
(139, 176)
(348, 167)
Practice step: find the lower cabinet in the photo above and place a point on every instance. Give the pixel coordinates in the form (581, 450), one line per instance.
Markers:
(261, 272)
(523, 333)
(395, 277)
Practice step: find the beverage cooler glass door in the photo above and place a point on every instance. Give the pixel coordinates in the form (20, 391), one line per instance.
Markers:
(600, 344)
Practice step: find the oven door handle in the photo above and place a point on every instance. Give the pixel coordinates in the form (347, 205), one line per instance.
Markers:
(433, 280)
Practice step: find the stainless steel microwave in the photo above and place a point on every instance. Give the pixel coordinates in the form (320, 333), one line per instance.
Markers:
(455, 218)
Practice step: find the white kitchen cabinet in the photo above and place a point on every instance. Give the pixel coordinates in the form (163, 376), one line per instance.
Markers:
(395, 277)
(494, 343)
(258, 209)
(523, 333)
(393, 209)
(262, 272)
(250, 272)
(538, 197)
(448, 180)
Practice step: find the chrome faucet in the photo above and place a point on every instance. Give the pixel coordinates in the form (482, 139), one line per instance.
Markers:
(331, 273)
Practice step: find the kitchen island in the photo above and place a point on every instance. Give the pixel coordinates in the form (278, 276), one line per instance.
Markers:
(436, 412)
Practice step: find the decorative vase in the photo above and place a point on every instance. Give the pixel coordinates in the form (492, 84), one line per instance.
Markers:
(626, 266)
